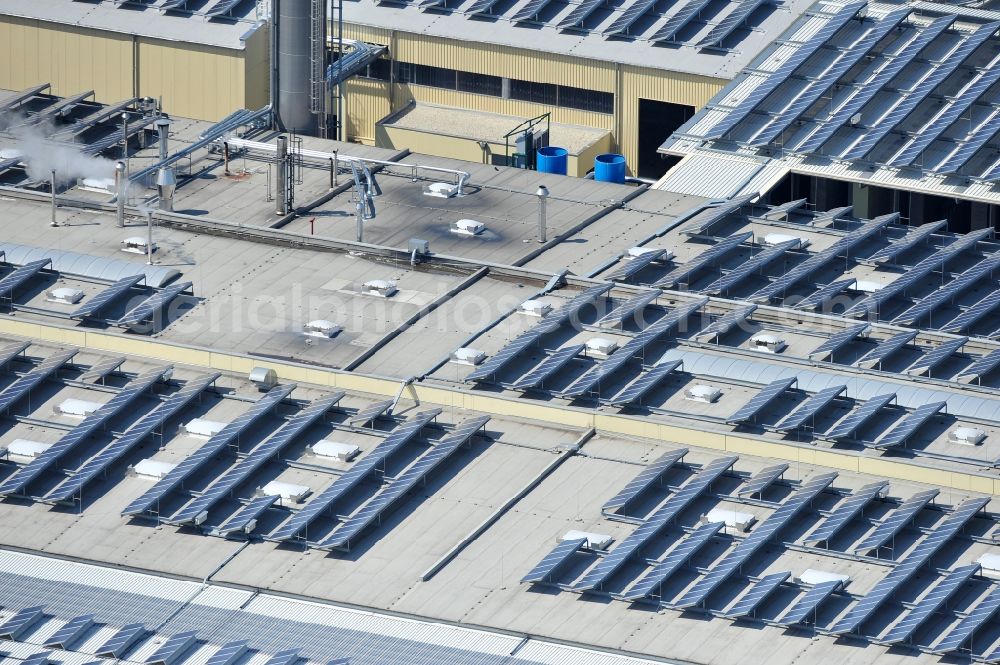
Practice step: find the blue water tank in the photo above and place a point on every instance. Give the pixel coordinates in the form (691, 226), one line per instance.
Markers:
(552, 160)
(609, 167)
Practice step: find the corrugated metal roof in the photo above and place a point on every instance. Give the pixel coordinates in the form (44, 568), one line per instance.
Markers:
(711, 175)
(87, 265)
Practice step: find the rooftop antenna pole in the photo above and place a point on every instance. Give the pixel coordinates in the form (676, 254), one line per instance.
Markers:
(542, 194)
(125, 136)
(54, 204)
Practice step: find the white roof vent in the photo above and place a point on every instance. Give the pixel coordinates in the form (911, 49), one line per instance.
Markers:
(151, 468)
(703, 393)
(441, 190)
(779, 238)
(76, 407)
(342, 452)
(264, 378)
(287, 491)
(27, 448)
(968, 436)
(601, 346)
(813, 577)
(467, 356)
(635, 252)
(536, 307)
(990, 563)
(767, 343)
(468, 227)
(203, 428)
(868, 287)
(64, 295)
(135, 245)
(733, 519)
(382, 288)
(98, 185)
(321, 328)
(595, 541)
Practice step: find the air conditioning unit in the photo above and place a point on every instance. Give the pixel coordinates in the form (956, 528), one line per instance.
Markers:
(779, 238)
(595, 541)
(264, 378)
(76, 407)
(135, 245)
(967, 436)
(813, 577)
(535, 307)
(467, 227)
(703, 393)
(203, 428)
(441, 190)
(467, 356)
(733, 519)
(342, 452)
(767, 343)
(64, 295)
(151, 468)
(27, 448)
(599, 346)
(990, 563)
(287, 491)
(381, 288)
(863, 286)
(421, 247)
(321, 328)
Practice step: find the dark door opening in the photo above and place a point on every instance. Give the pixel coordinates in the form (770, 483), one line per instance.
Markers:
(657, 121)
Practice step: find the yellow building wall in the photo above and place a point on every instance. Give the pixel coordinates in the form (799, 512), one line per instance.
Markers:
(257, 69)
(194, 81)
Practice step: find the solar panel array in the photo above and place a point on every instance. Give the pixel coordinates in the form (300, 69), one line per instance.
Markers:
(884, 349)
(530, 11)
(21, 622)
(733, 20)
(673, 562)
(973, 314)
(579, 14)
(808, 410)
(548, 367)
(106, 297)
(648, 380)
(762, 480)
(911, 423)
(805, 609)
(846, 428)
(19, 276)
(23, 385)
(896, 521)
(976, 617)
(709, 256)
(725, 323)
(172, 648)
(100, 370)
(705, 221)
(846, 511)
(755, 263)
(757, 594)
(549, 567)
(892, 251)
(936, 356)
(977, 274)
(929, 604)
(837, 342)
(984, 365)
(767, 394)
(119, 643)
(370, 413)
(629, 308)
(641, 483)
(825, 294)
(70, 632)
(151, 305)
(679, 20)
(632, 13)
(245, 517)
(633, 266)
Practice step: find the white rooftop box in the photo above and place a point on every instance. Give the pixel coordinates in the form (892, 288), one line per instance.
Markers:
(287, 491)
(64, 295)
(733, 519)
(595, 541)
(779, 238)
(767, 343)
(990, 563)
(468, 227)
(264, 378)
(27, 448)
(967, 436)
(635, 252)
(76, 407)
(703, 393)
(343, 452)
(601, 346)
(204, 428)
(151, 468)
(381, 288)
(135, 245)
(536, 307)
(467, 356)
(10, 153)
(441, 190)
(868, 287)
(321, 328)
(99, 185)
(813, 577)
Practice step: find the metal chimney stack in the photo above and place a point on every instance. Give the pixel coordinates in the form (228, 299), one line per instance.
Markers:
(281, 179)
(163, 129)
(166, 179)
(121, 186)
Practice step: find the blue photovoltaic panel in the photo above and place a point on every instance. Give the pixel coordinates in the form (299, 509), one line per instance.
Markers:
(228, 653)
(865, 90)
(981, 367)
(757, 594)
(732, 21)
(702, 223)
(99, 371)
(266, 451)
(170, 650)
(21, 275)
(631, 14)
(572, 309)
(173, 4)
(767, 394)
(70, 632)
(808, 409)
(676, 503)
(548, 567)
(120, 642)
(969, 317)
(725, 323)
(976, 617)
(646, 478)
(40, 658)
(11, 351)
(579, 14)
(837, 341)
(135, 434)
(372, 511)
(710, 255)
(106, 296)
(912, 239)
(913, 421)
(530, 11)
(370, 413)
(762, 480)
(754, 264)
(849, 425)
(648, 380)
(496, 362)
(804, 610)
(679, 20)
(928, 605)
(764, 532)
(846, 511)
(825, 294)
(673, 562)
(976, 138)
(289, 657)
(886, 348)
(247, 515)
(19, 624)
(634, 265)
(151, 305)
(548, 367)
(23, 385)
(628, 308)
(396, 439)
(894, 523)
(971, 277)
(936, 356)
(222, 8)
(906, 568)
(18, 483)
(231, 432)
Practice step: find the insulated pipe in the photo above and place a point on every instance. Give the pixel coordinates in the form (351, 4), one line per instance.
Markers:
(121, 178)
(542, 194)
(280, 184)
(54, 204)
